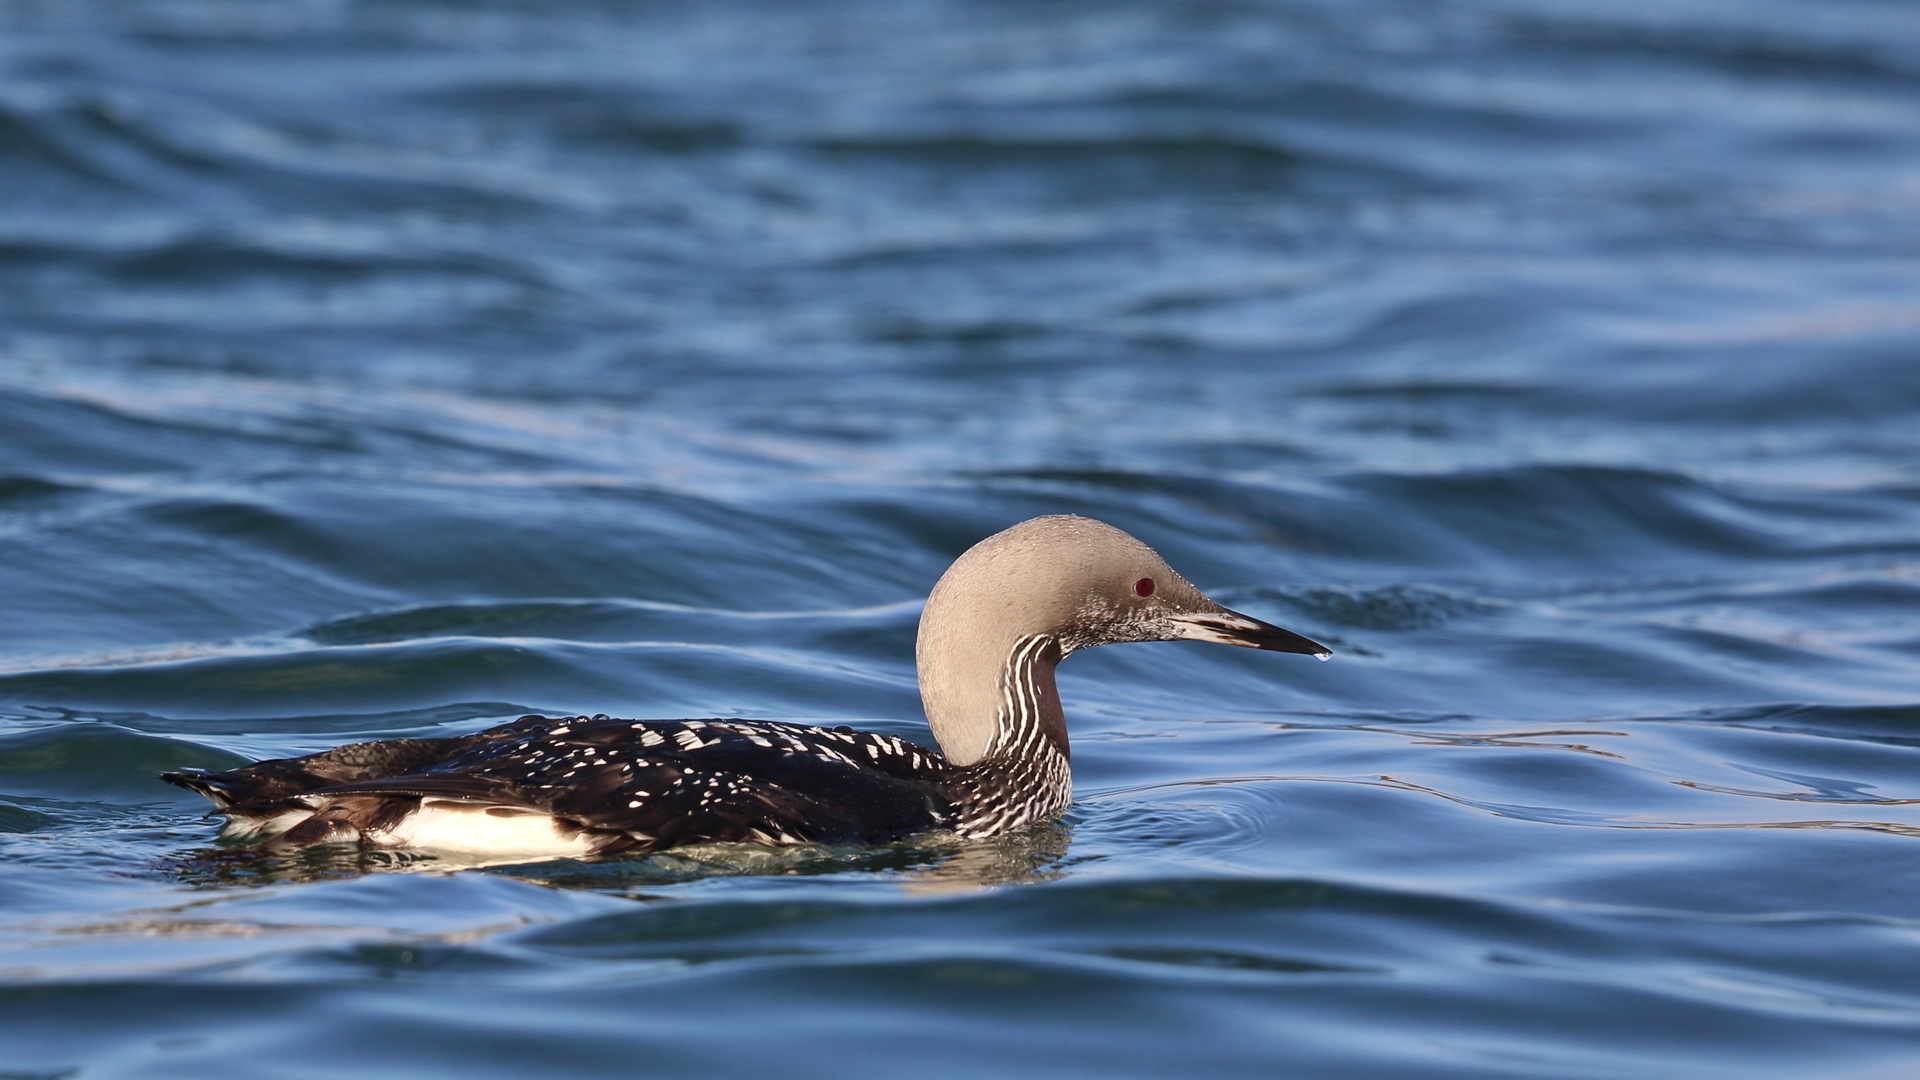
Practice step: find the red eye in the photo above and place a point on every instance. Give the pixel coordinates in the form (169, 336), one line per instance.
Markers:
(1143, 587)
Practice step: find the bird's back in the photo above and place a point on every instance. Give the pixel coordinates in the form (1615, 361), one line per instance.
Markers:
(592, 785)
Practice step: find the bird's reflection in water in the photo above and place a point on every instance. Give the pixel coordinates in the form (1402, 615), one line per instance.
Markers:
(925, 866)
(244, 866)
(1031, 855)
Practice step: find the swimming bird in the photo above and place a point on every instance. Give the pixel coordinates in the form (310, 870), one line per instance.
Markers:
(993, 629)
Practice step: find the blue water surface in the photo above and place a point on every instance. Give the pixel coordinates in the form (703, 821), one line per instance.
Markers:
(396, 367)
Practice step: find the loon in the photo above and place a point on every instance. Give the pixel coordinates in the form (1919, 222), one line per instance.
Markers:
(993, 629)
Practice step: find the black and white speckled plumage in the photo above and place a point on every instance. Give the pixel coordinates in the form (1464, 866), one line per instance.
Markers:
(996, 626)
(642, 785)
(617, 785)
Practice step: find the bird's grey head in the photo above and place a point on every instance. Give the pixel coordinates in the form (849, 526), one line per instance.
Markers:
(1078, 581)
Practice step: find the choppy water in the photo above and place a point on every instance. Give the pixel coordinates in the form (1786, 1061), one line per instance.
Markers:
(397, 368)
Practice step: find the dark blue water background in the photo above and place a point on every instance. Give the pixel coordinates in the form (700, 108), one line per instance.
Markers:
(394, 368)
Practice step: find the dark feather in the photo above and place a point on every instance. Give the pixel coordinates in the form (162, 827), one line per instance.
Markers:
(632, 784)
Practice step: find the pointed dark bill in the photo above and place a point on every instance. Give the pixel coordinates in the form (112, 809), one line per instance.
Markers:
(1225, 627)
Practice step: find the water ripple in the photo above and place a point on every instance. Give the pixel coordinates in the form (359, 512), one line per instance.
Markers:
(379, 370)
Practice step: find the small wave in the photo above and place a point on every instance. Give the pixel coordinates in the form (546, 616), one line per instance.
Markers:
(303, 681)
(141, 656)
(20, 819)
(559, 619)
(1893, 725)
(1428, 390)
(1392, 608)
(181, 148)
(19, 490)
(36, 156)
(1217, 960)
(1597, 514)
(584, 114)
(1183, 158)
(647, 678)
(1002, 149)
(212, 259)
(93, 762)
(1748, 52)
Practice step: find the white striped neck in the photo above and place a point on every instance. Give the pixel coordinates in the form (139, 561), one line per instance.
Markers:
(1031, 720)
(1024, 777)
